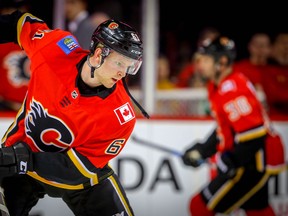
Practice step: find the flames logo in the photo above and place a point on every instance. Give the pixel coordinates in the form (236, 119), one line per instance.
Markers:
(49, 133)
(113, 25)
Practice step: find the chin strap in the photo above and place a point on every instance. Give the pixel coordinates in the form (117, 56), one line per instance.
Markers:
(92, 67)
(145, 114)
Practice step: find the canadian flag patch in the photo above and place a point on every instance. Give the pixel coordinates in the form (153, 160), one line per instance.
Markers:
(124, 113)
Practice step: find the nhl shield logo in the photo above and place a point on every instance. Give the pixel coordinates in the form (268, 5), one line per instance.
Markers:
(124, 113)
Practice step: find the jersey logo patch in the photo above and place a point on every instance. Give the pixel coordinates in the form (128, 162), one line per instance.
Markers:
(48, 133)
(68, 44)
(124, 113)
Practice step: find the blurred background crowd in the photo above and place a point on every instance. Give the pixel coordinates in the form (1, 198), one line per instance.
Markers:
(261, 41)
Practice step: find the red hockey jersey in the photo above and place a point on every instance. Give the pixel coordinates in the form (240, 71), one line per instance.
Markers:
(55, 116)
(240, 117)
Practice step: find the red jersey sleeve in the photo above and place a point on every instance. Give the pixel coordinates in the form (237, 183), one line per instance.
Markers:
(33, 34)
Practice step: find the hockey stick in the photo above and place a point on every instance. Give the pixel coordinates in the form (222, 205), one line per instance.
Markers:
(160, 147)
(156, 146)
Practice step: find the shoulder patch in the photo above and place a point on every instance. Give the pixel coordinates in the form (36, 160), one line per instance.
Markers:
(68, 44)
(227, 86)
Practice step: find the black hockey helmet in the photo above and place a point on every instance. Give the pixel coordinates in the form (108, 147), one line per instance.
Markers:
(118, 36)
(220, 46)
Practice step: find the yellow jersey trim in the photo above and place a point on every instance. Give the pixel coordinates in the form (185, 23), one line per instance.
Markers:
(251, 134)
(55, 184)
(21, 22)
(81, 167)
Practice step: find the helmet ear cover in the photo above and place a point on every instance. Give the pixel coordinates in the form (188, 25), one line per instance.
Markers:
(105, 52)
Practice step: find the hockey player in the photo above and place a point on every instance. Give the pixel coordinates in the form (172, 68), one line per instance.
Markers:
(247, 151)
(76, 117)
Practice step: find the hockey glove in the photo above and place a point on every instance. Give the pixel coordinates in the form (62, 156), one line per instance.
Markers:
(225, 165)
(192, 156)
(15, 159)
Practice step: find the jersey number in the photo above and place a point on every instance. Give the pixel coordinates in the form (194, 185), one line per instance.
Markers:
(115, 147)
(38, 35)
(237, 108)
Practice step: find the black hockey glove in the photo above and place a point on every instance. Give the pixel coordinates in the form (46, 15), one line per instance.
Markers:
(15, 159)
(192, 156)
(226, 166)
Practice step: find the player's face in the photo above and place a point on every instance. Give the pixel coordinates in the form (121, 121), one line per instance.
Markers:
(115, 67)
(205, 65)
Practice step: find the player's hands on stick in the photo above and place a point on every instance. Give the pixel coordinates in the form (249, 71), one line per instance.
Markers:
(192, 156)
(15, 159)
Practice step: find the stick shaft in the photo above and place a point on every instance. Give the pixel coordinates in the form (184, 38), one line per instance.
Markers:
(156, 146)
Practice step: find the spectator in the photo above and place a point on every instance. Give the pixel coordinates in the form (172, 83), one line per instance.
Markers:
(14, 65)
(259, 48)
(275, 78)
(163, 71)
(279, 55)
(111, 8)
(247, 151)
(78, 22)
(98, 17)
(188, 76)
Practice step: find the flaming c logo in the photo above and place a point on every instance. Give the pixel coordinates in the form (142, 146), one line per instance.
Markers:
(113, 25)
(49, 133)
